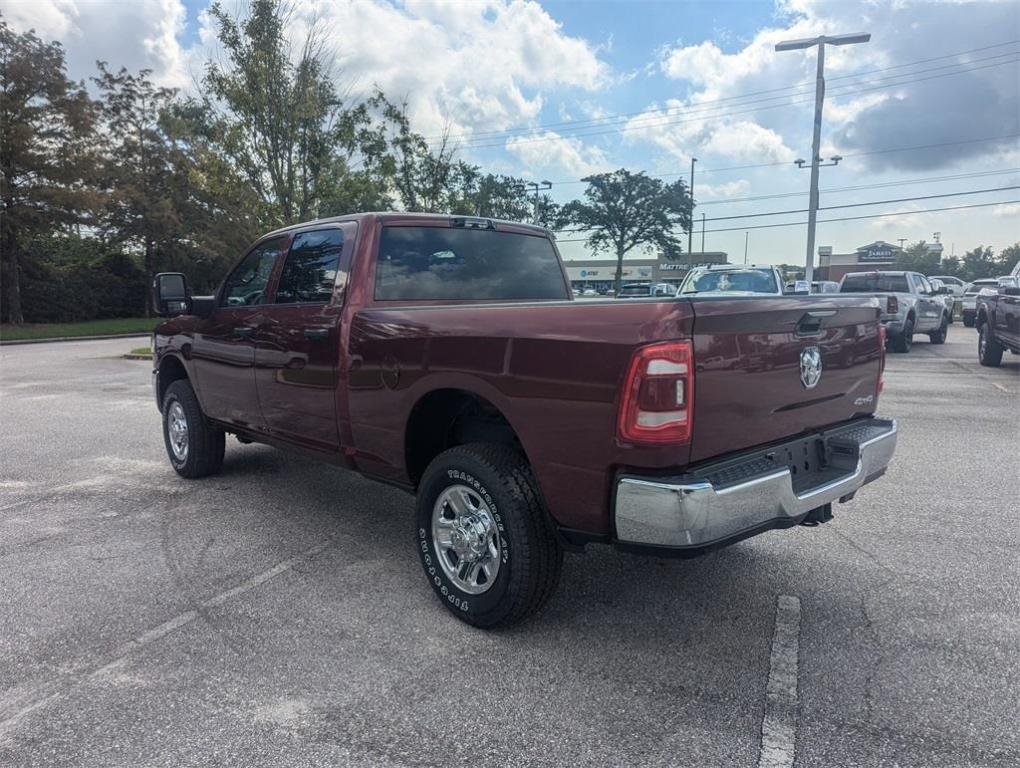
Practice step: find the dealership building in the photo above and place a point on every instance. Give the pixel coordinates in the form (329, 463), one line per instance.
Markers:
(879, 255)
(600, 274)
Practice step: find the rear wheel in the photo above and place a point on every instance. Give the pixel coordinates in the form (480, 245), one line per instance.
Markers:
(968, 321)
(905, 340)
(194, 446)
(989, 350)
(939, 336)
(485, 541)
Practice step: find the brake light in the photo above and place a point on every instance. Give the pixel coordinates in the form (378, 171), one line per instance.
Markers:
(881, 359)
(657, 403)
(892, 305)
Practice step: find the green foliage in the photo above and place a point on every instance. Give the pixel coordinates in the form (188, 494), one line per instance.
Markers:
(623, 210)
(917, 257)
(46, 143)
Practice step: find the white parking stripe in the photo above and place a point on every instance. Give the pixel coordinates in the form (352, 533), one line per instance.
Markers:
(779, 726)
(13, 711)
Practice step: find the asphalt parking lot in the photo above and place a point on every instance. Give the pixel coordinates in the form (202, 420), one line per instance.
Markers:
(277, 615)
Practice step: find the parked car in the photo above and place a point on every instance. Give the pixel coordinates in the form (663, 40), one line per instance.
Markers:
(998, 321)
(956, 285)
(590, 292)
(909, 305)
(733, 279)
(943, 290)
(645, 290)
(446, 356)
(970, 294)
(824, 286)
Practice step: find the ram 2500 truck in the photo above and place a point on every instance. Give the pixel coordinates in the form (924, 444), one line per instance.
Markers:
(998, 321)
(445, 355)
(909, 305)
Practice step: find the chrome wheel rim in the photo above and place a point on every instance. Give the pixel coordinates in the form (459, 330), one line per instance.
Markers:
(177, 431)
(466, 539)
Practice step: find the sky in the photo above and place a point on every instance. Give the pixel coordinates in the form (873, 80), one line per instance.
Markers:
(560, 89)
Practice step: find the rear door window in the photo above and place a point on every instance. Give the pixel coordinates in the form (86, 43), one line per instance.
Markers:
(440, 263)
(309, 271)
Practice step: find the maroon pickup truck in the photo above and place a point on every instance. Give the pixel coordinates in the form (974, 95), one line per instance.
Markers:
(446, 355)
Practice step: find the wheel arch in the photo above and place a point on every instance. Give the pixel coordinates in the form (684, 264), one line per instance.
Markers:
(171, 368)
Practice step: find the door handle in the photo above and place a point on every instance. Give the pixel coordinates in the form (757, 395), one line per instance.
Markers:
(316, 334)
(244, 332)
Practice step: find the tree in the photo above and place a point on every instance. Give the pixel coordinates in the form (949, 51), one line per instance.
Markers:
(144, 174)
(980, 262)
(917, 257)
(46, 124)
(623, 210)
(1009, 258)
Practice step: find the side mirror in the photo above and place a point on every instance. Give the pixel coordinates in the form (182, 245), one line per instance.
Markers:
(170, 294)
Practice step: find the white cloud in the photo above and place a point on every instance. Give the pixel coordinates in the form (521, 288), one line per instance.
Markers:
(141, 34)
(552, 152)
(737, 188)
(1007, 211)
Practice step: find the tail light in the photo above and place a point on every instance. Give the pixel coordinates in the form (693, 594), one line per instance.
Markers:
(881, 359)
(892, 305)
(657, 405)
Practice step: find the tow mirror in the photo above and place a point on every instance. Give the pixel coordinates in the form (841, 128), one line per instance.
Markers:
(170, 294)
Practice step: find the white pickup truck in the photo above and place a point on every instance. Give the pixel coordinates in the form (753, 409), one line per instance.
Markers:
(909, 305)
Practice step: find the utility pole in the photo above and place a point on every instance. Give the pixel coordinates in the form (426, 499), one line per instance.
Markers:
(536, 187)
(690, 228)
(794, 45)
(702, 235)
(746, 235)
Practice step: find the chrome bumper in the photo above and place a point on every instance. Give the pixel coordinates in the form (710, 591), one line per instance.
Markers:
(693, 512)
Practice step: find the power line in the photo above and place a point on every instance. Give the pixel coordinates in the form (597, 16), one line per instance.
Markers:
(702, 118)
(775, 163)
(877, 185)
(872, 202)
(842, 218)
(625, 115)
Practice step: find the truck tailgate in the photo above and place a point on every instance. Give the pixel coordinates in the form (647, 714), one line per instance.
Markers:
(747, 353)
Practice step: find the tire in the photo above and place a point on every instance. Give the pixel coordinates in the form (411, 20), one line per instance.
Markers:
(905, 340)
(939, 336)
(201, 452)
(989, 350)
(502, 517)
(968, 321)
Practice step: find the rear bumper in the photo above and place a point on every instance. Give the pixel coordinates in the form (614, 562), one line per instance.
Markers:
(736, 498)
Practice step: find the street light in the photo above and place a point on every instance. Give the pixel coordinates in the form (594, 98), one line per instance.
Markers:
(690, 229)
(796, 45)
(536, 187)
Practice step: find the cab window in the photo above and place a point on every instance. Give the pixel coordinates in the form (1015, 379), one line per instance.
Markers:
(247, 284)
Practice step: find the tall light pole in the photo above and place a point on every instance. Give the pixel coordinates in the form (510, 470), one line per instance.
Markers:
(690, 227)
(702, 235)
(795, 45)
(536, 187)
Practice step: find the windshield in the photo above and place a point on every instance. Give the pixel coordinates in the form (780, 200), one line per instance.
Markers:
(874, 282)
(719, 281)
(975, 288)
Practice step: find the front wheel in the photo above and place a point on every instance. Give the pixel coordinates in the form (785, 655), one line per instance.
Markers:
(939, 336)
(485, 541)
(194, 446)
(989, 350)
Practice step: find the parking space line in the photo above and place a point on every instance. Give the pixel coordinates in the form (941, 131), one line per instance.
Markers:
(51, 690)
(779, 725)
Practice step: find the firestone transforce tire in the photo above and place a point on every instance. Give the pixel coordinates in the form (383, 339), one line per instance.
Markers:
(194, 446)
(905, 340)
(488, 547)
(939, 336)
(989, 350)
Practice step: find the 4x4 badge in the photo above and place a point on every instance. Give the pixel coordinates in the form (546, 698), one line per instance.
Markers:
(810, 367)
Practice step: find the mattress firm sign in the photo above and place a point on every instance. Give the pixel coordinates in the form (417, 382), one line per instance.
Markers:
(881, 253)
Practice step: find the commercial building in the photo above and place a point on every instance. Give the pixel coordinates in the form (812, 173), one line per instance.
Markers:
(878, 255)
(600, 274)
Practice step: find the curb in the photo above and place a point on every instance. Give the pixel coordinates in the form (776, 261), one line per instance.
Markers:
(137, 357)
(12, 343)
